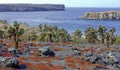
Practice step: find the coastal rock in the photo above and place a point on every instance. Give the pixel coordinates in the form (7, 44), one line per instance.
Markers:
(110, 15)
(31, 7)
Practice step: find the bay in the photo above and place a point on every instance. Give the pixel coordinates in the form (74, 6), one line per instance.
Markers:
(67, 19)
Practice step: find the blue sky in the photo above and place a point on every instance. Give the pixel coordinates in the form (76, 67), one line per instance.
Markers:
(71, 3)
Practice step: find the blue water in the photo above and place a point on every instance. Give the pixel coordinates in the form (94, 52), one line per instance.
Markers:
(63, 19)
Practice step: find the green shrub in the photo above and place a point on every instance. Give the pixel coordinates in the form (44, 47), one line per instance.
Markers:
(117, 40)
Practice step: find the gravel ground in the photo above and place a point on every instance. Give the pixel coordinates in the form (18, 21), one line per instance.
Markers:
(73, 57)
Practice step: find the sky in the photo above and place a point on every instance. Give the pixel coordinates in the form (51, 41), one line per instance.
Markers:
(71, 3)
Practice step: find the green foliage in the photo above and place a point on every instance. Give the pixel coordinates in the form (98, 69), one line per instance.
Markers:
(77, 35)
(15, 31)
(91, 35)
(32, 36)
(21, 31)
(1, 34)
(40, 27)
(100, 35)
(48, 33)
(117, 40)
(112, 38)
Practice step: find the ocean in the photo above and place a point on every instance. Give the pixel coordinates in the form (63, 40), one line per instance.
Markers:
(68, 19)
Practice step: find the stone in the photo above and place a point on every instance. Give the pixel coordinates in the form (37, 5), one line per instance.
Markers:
(45, 51)
(14, 51)
(27, 49)
(89, 54)
(13, 62)
(87, 58)
(19, 51)
(92, 59)
(1, 59)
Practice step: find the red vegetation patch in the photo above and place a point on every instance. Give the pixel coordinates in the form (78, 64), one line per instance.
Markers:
(36, 44)
(38, 65)
(38, 59)
(107, 49)
(99, 65)
(21, 48)
(57, 48)
(7, 55)
(71, 65)
(41, 66)
(71, 61)
(10, 44)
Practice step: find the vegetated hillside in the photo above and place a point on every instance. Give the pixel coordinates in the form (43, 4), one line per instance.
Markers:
(31, 7)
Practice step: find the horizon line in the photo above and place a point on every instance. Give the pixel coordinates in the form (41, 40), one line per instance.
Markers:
(64, 5)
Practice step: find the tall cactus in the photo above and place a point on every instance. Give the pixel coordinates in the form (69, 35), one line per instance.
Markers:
(106, 39)
(101, 31)
(1, 34)
(112, 37)
(77, 35)
(91, 35)
(15, 31)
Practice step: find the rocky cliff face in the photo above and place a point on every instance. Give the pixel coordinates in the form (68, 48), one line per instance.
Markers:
(110, 15)
(31, 7)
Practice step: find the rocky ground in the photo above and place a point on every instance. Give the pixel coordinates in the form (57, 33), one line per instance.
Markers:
(62, 56)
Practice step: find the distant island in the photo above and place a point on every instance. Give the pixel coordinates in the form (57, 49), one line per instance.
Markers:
(31, 7)
(109, 15)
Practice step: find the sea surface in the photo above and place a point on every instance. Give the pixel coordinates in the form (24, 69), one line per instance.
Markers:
(68, 19)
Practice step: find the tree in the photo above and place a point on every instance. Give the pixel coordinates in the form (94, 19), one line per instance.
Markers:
(112, 37)
(32, 36)
(40, 27)
(54, 33)
(101, 30)
(91, 35)
(5, 32)
(77, 35)
(106, 39)
(16, 32)
(42, 37)
(1, 34)
(117, 40)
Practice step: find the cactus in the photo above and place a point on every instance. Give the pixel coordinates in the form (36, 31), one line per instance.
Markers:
(15, 31)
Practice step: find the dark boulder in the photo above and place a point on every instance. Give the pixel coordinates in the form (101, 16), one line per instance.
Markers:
(49, 53)
(13, 62)
(46, 51)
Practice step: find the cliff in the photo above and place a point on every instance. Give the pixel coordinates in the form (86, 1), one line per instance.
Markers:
(110, 15)
(31, 7)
